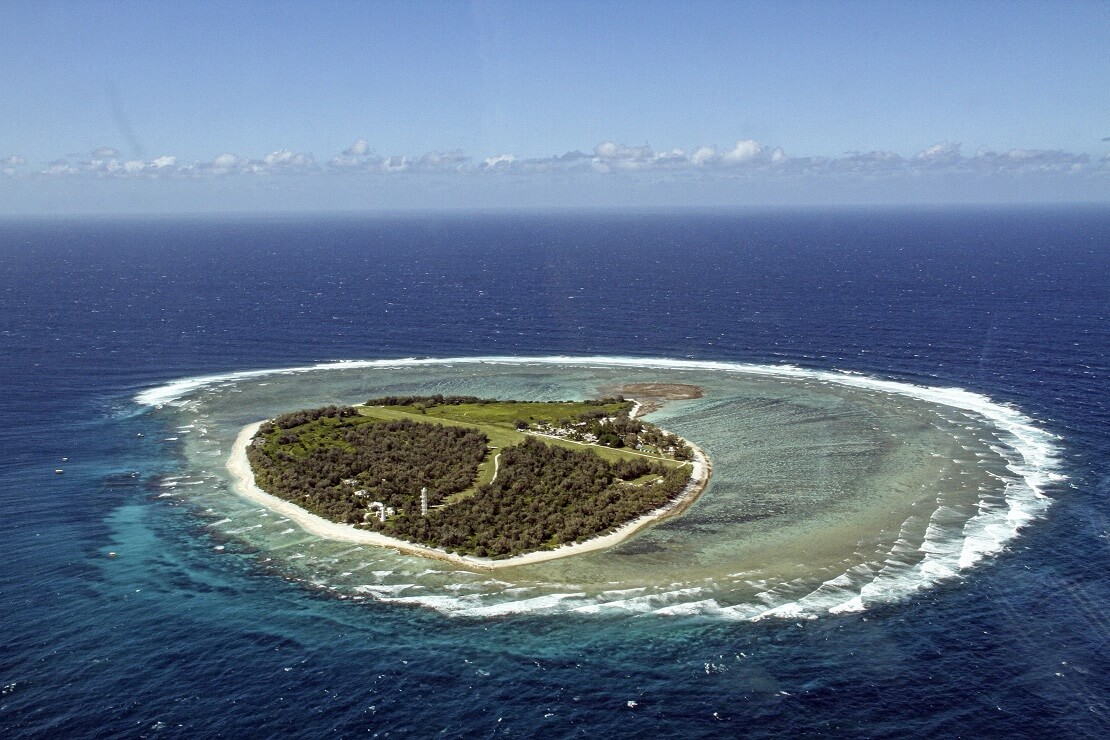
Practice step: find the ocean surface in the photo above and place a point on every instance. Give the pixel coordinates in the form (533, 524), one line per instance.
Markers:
(992, 324)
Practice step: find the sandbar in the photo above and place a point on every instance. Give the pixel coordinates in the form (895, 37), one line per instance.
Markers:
(653, 396)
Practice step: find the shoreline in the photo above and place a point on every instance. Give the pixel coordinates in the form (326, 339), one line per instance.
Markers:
(244, 485)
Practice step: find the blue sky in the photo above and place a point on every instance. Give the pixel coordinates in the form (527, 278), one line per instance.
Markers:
(155, 106)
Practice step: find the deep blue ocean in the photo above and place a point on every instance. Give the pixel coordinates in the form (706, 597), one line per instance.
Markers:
(179, 639)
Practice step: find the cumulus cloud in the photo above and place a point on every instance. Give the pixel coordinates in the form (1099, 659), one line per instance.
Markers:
(443, 160)
(287, 158)
(60, 167)
(610, 155)
(226, 161)
(612, 151)
(104, 152)
(574, 156)
(394, 164)
(346, 160)
(502, 160)
(744, 151)
(746, 159)
(703, 155)
(103, 166)
(360, 148)
(357, 155)
(8, 165)
(167, 166)
(1027, 160)
(112, 166)
(942, 154)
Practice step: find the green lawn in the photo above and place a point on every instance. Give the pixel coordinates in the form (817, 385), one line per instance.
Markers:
(507, 412)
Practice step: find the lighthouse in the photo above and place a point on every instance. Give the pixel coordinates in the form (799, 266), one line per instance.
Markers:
(424, 501)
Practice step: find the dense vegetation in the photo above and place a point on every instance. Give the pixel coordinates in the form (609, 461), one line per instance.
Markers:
(337, 461)
(436, 400)
(544, 497)
(616, 431)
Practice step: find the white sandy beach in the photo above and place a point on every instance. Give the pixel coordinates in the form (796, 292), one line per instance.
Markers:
(245, 486)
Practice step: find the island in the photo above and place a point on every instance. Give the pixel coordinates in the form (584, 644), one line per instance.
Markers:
(481, 482)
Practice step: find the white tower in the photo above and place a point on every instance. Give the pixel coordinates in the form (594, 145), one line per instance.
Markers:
(424, 501)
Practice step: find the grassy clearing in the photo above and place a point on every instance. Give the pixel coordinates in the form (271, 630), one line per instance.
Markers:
(506, 413)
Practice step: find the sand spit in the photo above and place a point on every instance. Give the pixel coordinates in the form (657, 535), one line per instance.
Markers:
(245, 486)
(651, 397)
(658, 391)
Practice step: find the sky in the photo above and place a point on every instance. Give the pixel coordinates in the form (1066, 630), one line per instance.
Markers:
(152, 107)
